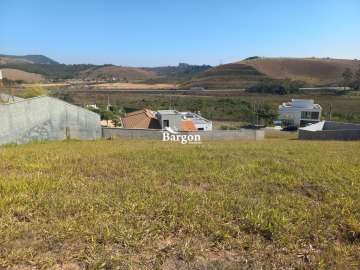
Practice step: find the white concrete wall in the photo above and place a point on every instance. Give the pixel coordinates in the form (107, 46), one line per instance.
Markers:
(46, 118)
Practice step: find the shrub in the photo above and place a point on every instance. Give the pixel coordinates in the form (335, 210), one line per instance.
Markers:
(279, 87)
(33, 91)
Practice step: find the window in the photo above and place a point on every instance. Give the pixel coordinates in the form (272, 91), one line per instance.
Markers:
(166, 123)
(305, 115)
(314, 115)
(309, 115)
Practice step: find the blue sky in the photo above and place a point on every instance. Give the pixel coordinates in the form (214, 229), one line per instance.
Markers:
(166, 32)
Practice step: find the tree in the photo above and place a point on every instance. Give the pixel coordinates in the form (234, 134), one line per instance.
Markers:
(347, 76)
(356, 83)
(357, 74)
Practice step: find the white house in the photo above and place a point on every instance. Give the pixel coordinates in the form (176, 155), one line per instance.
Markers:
(183, 121)
(169, 119)
(200, 122)
(299, 112)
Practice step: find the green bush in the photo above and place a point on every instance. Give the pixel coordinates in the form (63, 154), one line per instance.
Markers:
(33, 91)
(279, 87)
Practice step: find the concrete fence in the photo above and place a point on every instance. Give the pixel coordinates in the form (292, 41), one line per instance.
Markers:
(46, 118)
(339, 135)
(330, 130)
(156, 134)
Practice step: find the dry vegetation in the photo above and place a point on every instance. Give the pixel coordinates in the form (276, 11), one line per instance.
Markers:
(314, 71)
(134, 86)
(15, 74)
(280, 204)
(120, 73)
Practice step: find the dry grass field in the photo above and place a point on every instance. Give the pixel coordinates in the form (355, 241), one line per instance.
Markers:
(121, 204)
(134, 86)
(16, 74)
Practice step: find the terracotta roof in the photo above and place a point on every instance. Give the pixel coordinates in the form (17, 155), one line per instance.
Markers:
(187, 125)
(140, 119)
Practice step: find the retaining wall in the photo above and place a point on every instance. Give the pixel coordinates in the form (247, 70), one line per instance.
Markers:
(156, 134)
(331, 125)
(342, 135)
(331, 130)
(46, 118)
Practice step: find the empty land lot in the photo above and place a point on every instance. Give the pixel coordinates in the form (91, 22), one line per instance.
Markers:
(151, 205)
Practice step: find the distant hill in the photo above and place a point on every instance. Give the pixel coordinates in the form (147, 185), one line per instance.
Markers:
(52, 70)
(315, 71)
(168, 74)
(242, 74)
(312, 71)
(40, 65)
(19, 75)
(26, 59)
(176, 74)
(116, 73)
(227, 76)
(49, 71)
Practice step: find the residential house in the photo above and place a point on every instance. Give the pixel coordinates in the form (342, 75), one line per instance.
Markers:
(183, 121)
(163, 119)
(141, 119)
(199, 122)
(169, 119)
(299, 112)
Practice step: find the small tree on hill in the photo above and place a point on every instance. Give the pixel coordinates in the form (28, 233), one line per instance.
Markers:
(357, 74)
(347, 76)
(356, 82)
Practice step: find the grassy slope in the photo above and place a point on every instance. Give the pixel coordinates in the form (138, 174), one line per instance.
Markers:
(120, 73)
(229, 76)
(16, 74)
(274, 203)
(313, 71)
(30, 59)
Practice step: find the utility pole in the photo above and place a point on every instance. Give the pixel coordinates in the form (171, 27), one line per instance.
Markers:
(108, 103)
(255, 114)
(330, 111)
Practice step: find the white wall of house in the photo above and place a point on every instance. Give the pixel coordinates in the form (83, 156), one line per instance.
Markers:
(299, 112)
(200, 122)
(169, 118)
(204, 126)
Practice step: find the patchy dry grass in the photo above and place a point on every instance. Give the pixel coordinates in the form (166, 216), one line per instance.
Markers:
(151, 205)
(134, 86)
